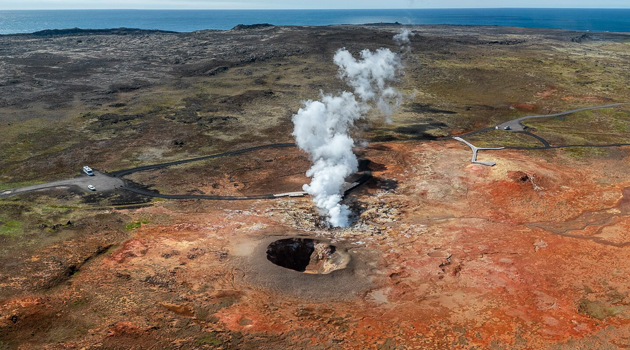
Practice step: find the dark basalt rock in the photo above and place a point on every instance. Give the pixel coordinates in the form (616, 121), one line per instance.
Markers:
(252, 26)
(80, 31)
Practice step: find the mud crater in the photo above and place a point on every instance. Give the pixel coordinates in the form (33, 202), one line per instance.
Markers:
(307, 255)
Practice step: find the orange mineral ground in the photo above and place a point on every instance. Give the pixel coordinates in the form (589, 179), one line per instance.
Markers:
(529, 254)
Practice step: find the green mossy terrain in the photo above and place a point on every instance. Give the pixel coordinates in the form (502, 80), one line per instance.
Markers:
(136, 224)
(454, 83)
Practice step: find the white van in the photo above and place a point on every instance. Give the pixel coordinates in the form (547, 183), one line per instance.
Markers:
(88, 170)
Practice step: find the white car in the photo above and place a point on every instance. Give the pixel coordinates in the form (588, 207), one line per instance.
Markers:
(88, 170)
(91, 188)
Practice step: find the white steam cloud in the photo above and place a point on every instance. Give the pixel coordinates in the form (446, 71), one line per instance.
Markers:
(370, 77)
(403, 38)
(323, 128)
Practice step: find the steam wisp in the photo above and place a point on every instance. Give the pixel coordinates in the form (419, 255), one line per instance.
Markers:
(403, 38)
(323, 128)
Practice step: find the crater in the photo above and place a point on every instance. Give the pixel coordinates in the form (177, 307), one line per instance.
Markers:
(307, 255)
(307, 267)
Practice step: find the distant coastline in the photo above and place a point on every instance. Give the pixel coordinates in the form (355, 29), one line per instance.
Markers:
(579, 36)
(594, 20)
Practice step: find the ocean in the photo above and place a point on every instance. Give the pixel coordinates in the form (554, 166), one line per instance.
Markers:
(605, 20)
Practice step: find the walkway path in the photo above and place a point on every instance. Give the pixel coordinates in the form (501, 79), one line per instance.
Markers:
(475, 150)
(515, 124)
(108, 182)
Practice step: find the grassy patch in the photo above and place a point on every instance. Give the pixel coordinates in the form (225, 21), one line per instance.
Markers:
(10, 185)
(63, 207)
(11, 228)
(136, 224)
(585, 152)
(597, 309)
(209, 339)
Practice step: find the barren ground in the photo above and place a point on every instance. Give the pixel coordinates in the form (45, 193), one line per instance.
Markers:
(530, 254)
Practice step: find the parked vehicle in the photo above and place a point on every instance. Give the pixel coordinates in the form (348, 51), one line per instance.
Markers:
(88, 170)
(91, 188)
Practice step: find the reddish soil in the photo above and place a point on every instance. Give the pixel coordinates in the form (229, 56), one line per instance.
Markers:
(457, 253)
(529, 107)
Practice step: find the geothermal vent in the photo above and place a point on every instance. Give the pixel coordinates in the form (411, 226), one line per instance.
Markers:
(307, 255)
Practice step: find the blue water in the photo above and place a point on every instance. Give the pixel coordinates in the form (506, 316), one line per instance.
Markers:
(613, 20)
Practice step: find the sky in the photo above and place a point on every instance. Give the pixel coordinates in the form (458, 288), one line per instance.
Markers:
(302, 4)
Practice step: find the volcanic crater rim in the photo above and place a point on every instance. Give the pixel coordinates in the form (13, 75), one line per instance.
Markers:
(307, 255)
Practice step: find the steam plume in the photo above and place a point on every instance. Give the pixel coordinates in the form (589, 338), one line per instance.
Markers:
(402, 38)
(370, 77)
(322, 128)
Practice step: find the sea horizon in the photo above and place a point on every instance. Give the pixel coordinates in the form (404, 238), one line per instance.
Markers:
(331, 9)
(187, 20)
